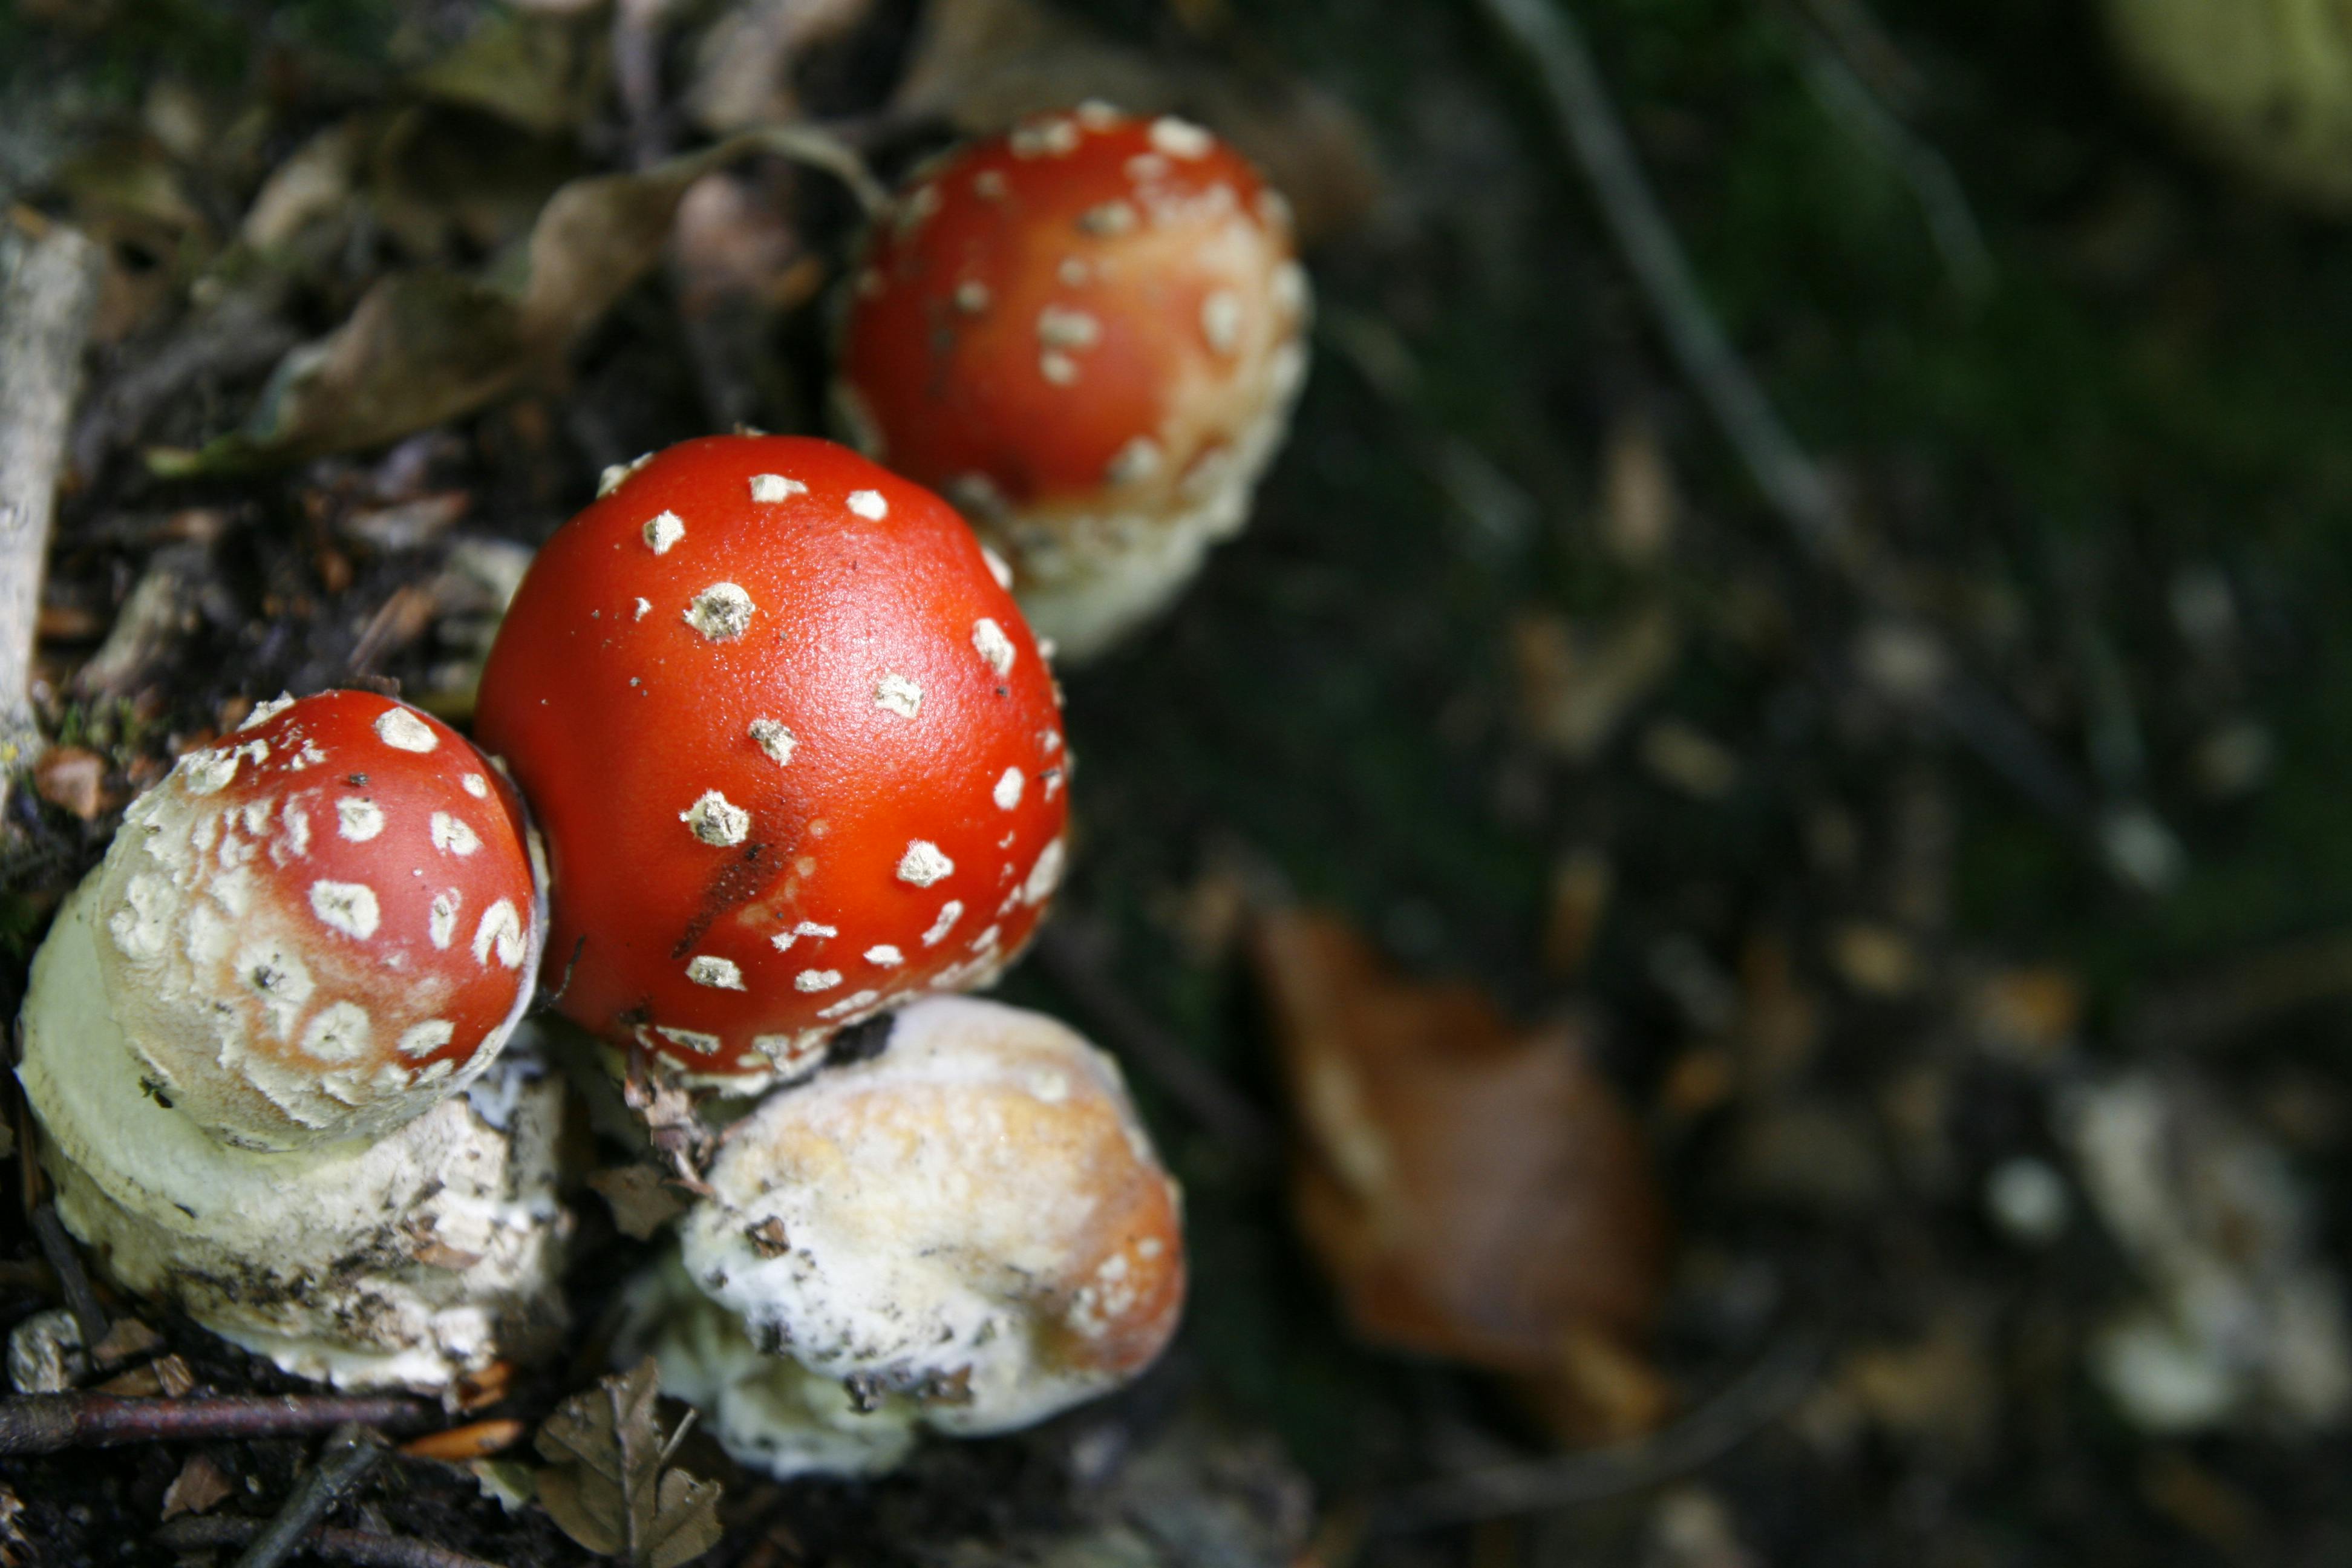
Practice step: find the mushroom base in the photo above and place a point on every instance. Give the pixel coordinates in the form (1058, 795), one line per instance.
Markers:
(769, 1413)
(403, 1262)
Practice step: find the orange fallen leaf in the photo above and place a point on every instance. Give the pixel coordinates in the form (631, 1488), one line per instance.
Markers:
(1475, 1190)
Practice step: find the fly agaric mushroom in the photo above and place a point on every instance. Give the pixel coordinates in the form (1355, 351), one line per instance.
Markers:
(795, 753)
(968, 1233)
(247, 1031)
(1087, 333)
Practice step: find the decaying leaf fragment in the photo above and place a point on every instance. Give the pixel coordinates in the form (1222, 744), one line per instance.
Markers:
(1474, 1190)
(607, 1484)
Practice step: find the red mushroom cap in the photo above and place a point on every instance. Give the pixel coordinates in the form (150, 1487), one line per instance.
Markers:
(1085, 333)
(793, 746)
(317, 924)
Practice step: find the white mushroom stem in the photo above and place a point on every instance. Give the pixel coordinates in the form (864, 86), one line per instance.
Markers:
(49, 287)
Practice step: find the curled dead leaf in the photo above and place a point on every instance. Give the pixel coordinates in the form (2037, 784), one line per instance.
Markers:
(607, 1485)
(1474, 1190)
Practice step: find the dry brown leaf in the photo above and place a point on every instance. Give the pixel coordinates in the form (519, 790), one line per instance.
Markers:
(429, 345)
(606, 1484)
(542, 71)
(198, 1488)
(1576, 685)
(1475, 1190)
(643, 1200)
(73, 778)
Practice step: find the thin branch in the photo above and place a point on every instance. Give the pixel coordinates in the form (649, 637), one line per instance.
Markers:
(48, 288)
(364, 1547)
(1781, 467)
(1951, 222)
(45, 1423)
(1755, 1400)
(350, 1452)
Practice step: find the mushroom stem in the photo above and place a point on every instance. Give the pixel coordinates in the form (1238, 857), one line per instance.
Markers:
(46, 1423)
(49, 287)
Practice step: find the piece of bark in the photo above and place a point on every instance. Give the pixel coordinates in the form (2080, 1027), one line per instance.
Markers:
(49, 287)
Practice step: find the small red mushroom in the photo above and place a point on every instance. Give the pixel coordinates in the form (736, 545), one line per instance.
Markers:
(794, 751)
(317, 924)
(1087, 334)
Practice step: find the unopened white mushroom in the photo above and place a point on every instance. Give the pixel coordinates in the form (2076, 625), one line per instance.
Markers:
(966, 1233)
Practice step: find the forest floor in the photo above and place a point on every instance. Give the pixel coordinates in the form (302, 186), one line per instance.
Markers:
(1963, 916)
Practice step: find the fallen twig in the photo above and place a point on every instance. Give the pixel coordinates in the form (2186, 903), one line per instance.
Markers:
(350, 1452)
(49, 287)
(45, 1423)
(1785, 472)
(1781, 469)
(73, 1281)
(361, 1546)
(1750, 1402)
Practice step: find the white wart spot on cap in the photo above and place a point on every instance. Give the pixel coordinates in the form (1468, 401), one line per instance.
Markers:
(644, 605)
(716, 820)
(989, 184)
(693, 1040)
(265, 711)
(349, 907)
(1045, 874)
(1052, 138)
(1057, 367)
(1180, 138)
(869, 505)
(613, 477)
(1049, 740)
(404, 732)
(441, 921)
(1007, 793)
(1145, 167)
(850, 1004)
(206, 772)
(666, 530)
(358, 820)
(720, 612)
(1074, 272)
(452, 836)
(972, 296)
(424, 1039)
(1220, 320)
(477, 785)
(815, 980)
(882, 955)
(774, 739)
(721, 974)
(924, 864)
(339, 1033)
(997, 568)
(1108, 220)
(949, 912)
(500, 932)
(995, 649)
(768, 487)
(900, 695)
(1134, 463)
(1061, 328)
